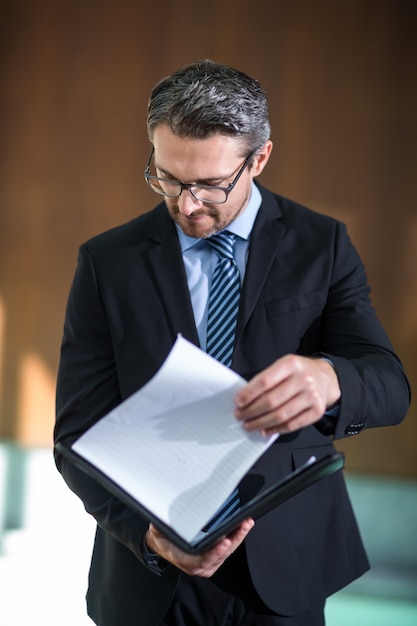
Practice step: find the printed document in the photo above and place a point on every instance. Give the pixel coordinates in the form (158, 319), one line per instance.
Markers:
(175, 445)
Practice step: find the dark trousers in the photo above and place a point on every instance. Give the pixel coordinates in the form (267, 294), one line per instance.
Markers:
(229, 599)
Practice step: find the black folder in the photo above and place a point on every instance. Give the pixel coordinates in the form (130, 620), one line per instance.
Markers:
(256, 501)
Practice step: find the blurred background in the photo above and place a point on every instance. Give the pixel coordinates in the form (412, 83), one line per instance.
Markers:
(74, 82)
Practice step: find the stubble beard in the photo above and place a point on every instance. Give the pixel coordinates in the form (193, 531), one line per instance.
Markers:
(194, 230)
(218, 224)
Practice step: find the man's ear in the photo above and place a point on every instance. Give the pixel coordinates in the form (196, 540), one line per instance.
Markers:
(261, 158)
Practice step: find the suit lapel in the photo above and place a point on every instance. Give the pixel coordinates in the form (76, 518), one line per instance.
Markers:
(165, 264)
(264, 245)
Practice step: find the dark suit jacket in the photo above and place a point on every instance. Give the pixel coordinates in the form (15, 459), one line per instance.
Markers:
(305, 292)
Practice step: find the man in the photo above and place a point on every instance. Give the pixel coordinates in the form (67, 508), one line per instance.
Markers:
(318, 362)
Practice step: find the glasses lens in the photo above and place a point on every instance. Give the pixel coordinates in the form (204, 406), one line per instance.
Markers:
(209, 194)
(164, 187)
(172, 189)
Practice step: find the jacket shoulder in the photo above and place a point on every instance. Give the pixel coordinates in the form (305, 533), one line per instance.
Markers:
(293, 214)
(131, 233)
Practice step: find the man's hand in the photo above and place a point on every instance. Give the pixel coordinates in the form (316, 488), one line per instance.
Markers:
(205, 564)
(292, 393)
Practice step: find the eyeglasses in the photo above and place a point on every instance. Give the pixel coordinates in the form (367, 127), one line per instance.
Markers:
(171, 188)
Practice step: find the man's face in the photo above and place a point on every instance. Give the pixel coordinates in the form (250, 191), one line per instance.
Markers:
(215, 161)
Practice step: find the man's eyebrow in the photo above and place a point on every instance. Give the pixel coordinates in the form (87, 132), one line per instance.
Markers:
(161, 169)
(200, 180)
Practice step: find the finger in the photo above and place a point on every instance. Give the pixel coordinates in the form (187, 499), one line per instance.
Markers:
(229, 544)
(284, 401)
(305, 407)
(240, 533)
(273, 376)
(210, 561)
(306, 418)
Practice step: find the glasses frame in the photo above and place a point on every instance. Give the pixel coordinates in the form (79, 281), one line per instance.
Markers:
(189, 186)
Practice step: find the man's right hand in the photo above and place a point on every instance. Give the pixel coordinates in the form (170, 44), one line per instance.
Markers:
(205, 564)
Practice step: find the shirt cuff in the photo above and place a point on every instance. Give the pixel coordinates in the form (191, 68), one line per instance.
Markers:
(153, 561)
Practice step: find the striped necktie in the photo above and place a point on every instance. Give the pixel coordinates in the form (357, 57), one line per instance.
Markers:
(224, 296)
(223, 309)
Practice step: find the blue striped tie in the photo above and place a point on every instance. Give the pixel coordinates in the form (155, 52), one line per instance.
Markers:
(223, 304)
(223, 309)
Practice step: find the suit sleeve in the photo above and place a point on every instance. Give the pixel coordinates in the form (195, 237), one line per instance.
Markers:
(87, 389)
(375, 390)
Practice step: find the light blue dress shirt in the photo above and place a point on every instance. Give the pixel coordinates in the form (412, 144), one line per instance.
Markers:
(200, 260)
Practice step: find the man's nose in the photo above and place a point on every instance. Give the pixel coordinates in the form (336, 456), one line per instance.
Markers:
(187, 204)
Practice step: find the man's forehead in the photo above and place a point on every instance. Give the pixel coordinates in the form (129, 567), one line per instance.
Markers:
(213, 156)
(164, 139)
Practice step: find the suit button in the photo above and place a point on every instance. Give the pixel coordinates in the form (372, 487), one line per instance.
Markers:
(354, 429)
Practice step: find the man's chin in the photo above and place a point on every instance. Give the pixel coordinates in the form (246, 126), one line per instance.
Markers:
(198, 230)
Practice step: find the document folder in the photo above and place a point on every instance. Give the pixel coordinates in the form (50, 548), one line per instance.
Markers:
(256, 503)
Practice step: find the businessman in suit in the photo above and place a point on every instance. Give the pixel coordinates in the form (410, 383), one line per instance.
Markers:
(318, 363)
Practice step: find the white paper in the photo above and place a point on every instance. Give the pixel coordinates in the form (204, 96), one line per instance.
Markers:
(175, 445)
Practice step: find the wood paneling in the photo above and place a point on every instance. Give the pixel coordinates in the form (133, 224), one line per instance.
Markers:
(75, 78)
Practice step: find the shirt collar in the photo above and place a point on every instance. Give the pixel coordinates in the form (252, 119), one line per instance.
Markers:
(241, 226)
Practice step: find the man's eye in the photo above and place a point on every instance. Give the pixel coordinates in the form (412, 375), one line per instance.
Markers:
(210, 184)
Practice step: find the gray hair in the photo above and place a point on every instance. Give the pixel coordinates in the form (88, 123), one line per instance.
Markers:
(207, 98)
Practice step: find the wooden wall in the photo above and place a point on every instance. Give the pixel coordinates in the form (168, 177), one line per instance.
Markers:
(75, 78)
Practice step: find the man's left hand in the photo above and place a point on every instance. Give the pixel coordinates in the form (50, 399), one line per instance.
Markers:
(290, 394)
